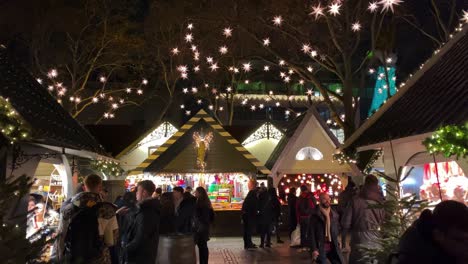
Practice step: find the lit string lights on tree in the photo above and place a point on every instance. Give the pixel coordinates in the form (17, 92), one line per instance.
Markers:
(11, 124)
(111, 97)
(343, 158)
(107, 167)
(449, 141)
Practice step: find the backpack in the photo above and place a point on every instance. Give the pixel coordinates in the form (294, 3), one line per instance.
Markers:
(82, 241)
(304, 206)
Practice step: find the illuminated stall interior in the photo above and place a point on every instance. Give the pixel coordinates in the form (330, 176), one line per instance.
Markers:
(203, 154)
(317, 183)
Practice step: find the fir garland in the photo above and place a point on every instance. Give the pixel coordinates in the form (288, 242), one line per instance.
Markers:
(449, 140)
(11, 125)
(107, 167)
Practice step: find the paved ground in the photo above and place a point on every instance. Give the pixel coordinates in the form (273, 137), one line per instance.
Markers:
(230, 251)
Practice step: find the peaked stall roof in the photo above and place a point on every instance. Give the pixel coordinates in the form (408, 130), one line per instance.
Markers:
(51, 124)
(293, 135)
(435, 95)
(174, 145)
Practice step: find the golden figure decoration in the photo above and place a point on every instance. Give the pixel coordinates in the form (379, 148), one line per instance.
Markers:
(202, 144)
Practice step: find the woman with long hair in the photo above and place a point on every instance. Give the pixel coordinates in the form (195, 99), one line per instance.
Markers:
(203, 218)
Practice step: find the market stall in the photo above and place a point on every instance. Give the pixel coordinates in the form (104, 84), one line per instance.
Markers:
(304, 156)
(203, 154)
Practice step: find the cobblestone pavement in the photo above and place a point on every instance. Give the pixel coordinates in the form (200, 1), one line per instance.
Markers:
(230, 250)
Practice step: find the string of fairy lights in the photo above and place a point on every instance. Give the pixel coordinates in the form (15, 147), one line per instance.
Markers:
(112, 98)
(11, 124)
(449, 140)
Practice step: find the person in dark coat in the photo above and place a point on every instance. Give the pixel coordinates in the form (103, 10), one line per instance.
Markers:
(167, 223)
(276, 206)
(126, 210)
(324, 224)
(363, 222)
(292, 201)
(249, 214)
(202, 220)
(265, 217)
(184, 210)
(440, 236)
(304, 208)
(142, 235)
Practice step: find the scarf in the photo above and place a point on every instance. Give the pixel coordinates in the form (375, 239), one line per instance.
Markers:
(326, 214)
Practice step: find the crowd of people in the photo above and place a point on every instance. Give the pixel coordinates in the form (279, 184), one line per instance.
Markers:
(440, 236)
(128, 231)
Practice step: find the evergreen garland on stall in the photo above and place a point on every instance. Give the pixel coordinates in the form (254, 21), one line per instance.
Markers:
(107, 167)
(449, 141)
(11, 125)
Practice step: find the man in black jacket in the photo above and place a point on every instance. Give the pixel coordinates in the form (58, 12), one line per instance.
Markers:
(324, 232)
(249, 214)
(184, 210)
(142, 236)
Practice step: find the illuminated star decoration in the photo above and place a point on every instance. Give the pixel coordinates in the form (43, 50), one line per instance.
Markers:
(266, 42)
(389, 4)
(175, 51)
(305, 48)
(266, 68)
(334, 9)
(223, 50)
(189, 37)
(247, 67)
(277, 20)
(227, 32)
(190, 26)
(356, 27)
(214, 67)
(465, 16)
(317, 11)
(372, 7)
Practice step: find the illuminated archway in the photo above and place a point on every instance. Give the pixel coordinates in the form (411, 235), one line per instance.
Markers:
(309, 153)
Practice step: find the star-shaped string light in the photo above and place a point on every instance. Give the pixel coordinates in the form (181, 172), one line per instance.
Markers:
(266, 42)
(356, 26)
(214, 67)
(372, 7)
(389, 4)
(247, 67)
(266, 68)
(175, 51)
(277, 20)
(223, 50)
(334, 9)
(465, 16)
(227, 32)
(306, 48)
(188, 38)
(317, 11)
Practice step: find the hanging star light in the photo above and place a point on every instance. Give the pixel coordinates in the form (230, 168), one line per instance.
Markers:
(306, 48)
(282, 63)
(140, 91)
(266, 68)
(389, 4)
(227, 32)
(223, 50)
(190, 26)
(95, 100)
(214, 67)
(334, 9)
(277, 20)
(372, 7)
(278, 104)
(246, 67)
(175, 51)
(465, 16)
(313, 53)
(209, 59)
(188, 38)
(253, 107)
(210, 107)
(185, 90)
(266, 42)
(196, 68)
(194, 90)
(309, 92)
(317, 11)
(356, 26)
(193, 48)
(310, 69)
